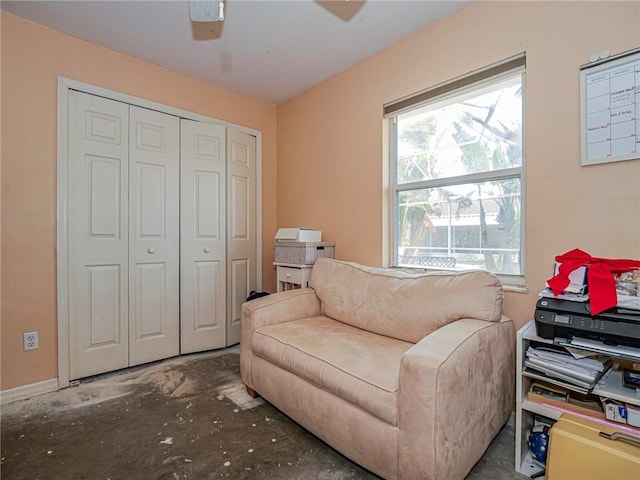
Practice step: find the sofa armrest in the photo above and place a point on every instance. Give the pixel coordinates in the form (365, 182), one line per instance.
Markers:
(269, 310)
(456, 391)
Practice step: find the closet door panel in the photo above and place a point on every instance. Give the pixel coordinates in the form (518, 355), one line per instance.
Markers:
(208, 189)
(202, 230)
(240, 286)
(150, 316)
(154, 179)
(103, 291)
(207, 279)
(241, 226)
(97, 235)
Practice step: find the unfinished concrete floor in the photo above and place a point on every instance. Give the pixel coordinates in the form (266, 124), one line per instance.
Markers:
(183, 418)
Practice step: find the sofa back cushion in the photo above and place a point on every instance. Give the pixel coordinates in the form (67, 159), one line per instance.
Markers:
(406, 306)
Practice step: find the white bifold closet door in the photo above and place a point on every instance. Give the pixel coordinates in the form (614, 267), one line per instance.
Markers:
(154, 235)
(162, 234)
(123, 230)
(98, 223)
(241, 226)
(203, 236)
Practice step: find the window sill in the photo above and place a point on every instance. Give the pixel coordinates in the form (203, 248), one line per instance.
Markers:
(507, 287)
(515, 288)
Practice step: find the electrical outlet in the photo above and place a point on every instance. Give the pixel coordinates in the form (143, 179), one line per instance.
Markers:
(31, 341)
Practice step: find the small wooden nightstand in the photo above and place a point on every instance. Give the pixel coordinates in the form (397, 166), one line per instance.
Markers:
(292, 276)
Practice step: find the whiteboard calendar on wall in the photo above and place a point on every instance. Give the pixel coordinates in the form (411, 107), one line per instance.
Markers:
(610, 109)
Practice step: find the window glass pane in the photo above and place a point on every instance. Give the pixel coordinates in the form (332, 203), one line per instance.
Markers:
(476, 131)
(468, 226)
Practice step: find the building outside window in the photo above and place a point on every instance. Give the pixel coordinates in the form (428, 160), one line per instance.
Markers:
(457, 174)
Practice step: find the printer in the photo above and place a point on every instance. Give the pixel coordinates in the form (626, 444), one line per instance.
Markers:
(556, 317)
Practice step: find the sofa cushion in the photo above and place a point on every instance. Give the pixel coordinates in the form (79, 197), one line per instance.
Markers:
(359, 366)
(406, 306)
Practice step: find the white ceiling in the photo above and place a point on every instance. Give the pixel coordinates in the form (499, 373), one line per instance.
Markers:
(266, 49)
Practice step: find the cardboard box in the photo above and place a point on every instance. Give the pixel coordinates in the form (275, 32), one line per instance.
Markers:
(298, 235)
(615, 411)
(633, 415)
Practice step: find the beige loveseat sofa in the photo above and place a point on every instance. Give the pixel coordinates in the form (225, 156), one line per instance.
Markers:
(409, 375)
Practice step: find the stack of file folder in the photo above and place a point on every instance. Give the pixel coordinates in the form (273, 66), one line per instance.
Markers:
(560, 367)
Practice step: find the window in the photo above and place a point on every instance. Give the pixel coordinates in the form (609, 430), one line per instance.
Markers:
(457, 168)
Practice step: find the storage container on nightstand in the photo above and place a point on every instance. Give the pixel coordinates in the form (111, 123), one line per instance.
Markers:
(303, 253)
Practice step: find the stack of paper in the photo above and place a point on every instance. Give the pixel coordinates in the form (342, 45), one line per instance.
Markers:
(573, 297)
(559, 364)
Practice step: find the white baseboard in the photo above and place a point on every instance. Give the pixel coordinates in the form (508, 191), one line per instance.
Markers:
(27, 391)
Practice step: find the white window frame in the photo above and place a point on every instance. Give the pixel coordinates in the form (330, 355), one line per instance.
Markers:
(473, 81)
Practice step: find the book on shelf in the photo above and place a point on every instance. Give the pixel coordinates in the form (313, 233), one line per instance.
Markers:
(556, 362)
(527, 372)
(560, 356)
(561, 379)
(541, 389)
(550, 395)
(584, 375)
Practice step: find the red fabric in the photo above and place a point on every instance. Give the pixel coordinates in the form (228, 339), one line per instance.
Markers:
(602, 286)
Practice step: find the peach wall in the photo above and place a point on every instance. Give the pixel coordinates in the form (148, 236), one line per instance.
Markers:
(330, 138)
(32, 58)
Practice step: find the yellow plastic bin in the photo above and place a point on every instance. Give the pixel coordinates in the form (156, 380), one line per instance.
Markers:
(583, 450)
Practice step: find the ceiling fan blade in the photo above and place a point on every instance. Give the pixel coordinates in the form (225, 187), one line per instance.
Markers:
(344, 10)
